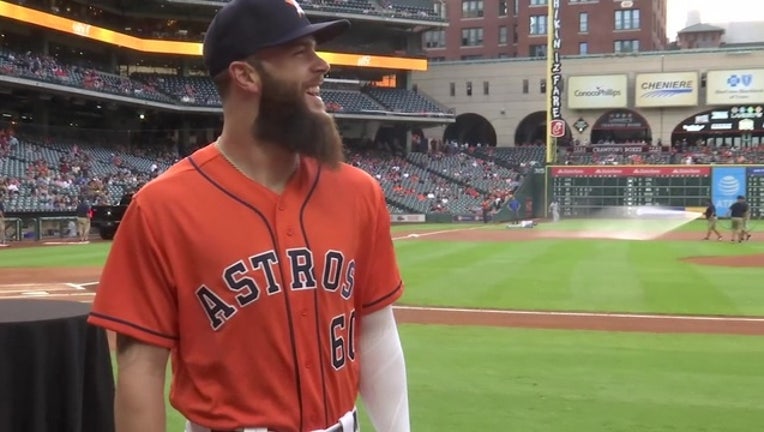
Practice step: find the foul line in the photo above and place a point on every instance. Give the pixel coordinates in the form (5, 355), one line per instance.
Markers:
(429, 233)
(579, 314)
(81, 286)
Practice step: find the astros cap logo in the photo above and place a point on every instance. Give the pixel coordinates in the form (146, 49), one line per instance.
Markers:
(296, 6)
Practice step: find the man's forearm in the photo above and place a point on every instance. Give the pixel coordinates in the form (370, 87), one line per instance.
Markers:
(137, 408)
(383, 373)
(139, 401)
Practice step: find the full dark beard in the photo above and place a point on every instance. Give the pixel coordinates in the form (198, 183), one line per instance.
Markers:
(285, 120)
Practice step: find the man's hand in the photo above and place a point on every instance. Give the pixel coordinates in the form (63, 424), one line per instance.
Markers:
(139, 403)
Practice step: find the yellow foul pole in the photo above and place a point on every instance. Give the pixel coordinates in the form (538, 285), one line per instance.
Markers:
(555, 125)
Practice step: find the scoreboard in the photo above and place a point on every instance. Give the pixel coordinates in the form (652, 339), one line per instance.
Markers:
(582, 190)
(755, 190)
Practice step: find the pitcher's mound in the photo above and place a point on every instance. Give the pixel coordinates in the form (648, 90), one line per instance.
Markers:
(755, 260)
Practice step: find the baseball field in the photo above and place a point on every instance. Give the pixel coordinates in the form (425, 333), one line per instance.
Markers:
(543, 329)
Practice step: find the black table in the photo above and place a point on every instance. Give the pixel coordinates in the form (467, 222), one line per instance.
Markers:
(55, 369)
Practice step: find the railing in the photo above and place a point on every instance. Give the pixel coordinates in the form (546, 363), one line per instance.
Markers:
(41, 227)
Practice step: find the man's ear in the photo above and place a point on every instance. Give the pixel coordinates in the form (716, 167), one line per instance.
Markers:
(245, 77)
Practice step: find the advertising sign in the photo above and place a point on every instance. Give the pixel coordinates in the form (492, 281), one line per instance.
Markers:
(597, 91)
(733, 87)
(726, 184)
(755, 172)
(634, 171)
(556, 125)
(619, 148)
(407, 218)
(674, 89)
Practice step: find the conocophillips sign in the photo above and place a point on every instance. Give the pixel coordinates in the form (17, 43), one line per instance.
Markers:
(673, 89)
(597, 91)
(734, 87)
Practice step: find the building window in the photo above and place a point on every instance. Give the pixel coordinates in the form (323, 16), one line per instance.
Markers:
(516, 8)
(583, 22)
(626, 46)
(452, 90)
(436, 59)
(525, 86)
(503, 35)
(472, 36)
(539, 2)
(542, 86)
(538, 24)
(469, 88)
(627, 19)
(538, 50)
(435, 39)
(471, 57)
(503, 9)
(486, 88)
(472, 8)
(439, 9)
(583, 48)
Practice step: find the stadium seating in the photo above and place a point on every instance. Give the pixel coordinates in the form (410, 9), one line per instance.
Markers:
(402, 100)
(514, 156)
(461, 167)
(199, 90)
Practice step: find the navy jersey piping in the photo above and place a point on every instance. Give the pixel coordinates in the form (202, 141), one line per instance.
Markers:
(316, 306)
(133, 325)
(384, 297)
(287, 305)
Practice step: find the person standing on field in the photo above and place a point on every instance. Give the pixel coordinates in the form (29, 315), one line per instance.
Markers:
(554, 208)
(280, 318)
(711, 219)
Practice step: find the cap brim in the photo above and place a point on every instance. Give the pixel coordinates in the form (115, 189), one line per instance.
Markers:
(323, 32)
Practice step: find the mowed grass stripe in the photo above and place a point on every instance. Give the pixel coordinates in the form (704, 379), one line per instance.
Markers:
(603, 276)
(540, 380)
(672, 286)
(482, 274)
(87, 255)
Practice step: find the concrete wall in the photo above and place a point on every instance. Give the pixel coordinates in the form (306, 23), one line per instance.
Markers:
(507, 105)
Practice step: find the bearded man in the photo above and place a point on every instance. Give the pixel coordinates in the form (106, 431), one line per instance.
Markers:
(262, 263)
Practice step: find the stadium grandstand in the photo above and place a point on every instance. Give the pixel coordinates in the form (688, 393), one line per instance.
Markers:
(97, 100)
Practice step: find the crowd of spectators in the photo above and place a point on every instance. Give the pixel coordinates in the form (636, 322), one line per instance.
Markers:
(439, 178)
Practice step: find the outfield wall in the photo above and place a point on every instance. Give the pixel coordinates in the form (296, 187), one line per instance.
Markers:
(583, 191)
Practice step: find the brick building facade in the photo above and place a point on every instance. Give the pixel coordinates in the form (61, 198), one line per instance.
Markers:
(486, 29)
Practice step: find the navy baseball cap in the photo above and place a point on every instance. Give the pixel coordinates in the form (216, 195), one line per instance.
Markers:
(243, 27)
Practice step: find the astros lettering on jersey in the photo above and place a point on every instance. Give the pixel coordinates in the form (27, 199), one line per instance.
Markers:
(258, 295)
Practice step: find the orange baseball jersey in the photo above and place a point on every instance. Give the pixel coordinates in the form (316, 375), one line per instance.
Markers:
(258, 295)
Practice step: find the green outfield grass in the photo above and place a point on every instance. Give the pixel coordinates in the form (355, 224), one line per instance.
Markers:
(697, 225)
(586, 274)
(600, 275)
(551, 381)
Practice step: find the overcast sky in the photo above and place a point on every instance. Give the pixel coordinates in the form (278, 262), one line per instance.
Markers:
(712, 11)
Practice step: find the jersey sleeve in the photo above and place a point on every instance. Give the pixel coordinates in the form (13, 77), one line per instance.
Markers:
(380, 282)
(136, 295)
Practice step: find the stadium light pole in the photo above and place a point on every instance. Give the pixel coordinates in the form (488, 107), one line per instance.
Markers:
(555, 125)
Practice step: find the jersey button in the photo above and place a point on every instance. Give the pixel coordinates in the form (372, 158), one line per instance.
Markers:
(290, 232)
(281, 207)
(308, 365)
(304, 312)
